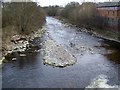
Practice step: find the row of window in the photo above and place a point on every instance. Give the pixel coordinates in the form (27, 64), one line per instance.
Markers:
(113, 13)
(112, 21)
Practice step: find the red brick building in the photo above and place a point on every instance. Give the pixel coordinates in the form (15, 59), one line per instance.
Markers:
(110, 11)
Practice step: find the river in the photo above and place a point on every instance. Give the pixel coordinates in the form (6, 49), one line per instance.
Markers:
(92, 69)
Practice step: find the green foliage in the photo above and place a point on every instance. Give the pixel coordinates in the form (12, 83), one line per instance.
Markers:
(25, 16)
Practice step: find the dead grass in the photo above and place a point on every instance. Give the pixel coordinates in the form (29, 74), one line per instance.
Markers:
(107, 33)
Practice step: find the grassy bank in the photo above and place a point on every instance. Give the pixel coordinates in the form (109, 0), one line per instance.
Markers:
(111, 34)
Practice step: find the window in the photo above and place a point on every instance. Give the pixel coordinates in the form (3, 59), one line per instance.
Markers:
(117, 13)
(113, 13)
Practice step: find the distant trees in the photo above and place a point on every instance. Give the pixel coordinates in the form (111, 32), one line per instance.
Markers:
(51, 10)
(25, 16)
(83, 15)
(69, 10)
(87, 13)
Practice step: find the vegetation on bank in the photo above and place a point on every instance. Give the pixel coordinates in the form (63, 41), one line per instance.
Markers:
(83, 15)
(20, 18)
(24, 16)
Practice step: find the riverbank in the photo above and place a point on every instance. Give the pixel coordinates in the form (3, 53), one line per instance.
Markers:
(20, 27)
(18, 43)
(105, 34)
(86, 72)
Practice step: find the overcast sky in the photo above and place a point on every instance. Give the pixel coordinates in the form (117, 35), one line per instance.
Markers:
(59, 2)
(63, 2)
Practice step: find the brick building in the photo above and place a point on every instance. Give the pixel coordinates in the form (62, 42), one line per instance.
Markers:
(110, 11)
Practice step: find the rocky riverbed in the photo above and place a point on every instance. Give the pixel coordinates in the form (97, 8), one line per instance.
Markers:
(20, 44)
(93, 68)
(57, 55)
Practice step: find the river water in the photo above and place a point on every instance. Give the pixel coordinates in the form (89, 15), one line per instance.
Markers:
(92, 69)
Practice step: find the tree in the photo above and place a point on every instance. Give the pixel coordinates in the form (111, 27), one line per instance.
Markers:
(68, 10)
(87, 13)
(25, 16)
(51, 10)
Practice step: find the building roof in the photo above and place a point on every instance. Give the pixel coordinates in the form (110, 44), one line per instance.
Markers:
(108, 4)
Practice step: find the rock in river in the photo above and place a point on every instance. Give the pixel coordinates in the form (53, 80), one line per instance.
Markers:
(57, 55)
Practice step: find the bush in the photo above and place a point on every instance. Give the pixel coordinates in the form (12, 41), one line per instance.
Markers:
(70, 10)
(25, 16)
(85, 14)
(51, 10)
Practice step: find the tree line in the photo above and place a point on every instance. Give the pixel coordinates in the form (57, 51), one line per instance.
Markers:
(24, 16)
(84, 14)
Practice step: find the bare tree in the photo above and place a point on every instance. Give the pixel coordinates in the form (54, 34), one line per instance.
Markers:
(26, 16)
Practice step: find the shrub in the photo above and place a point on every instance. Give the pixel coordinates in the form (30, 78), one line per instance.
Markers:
(25, 16)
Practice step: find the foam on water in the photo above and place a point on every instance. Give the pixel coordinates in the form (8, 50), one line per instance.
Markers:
(100, 82)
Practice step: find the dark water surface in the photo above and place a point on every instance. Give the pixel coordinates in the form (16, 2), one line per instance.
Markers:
(92, 61)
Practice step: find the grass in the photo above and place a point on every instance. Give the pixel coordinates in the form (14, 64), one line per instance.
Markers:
(106, 33)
